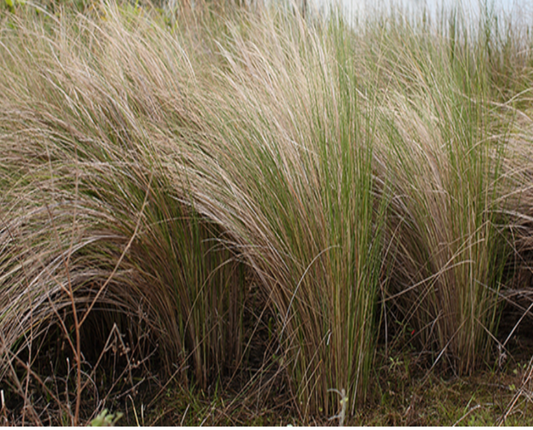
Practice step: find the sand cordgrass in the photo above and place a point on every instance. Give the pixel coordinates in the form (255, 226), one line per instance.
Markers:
(293, 183)
(442, 160)
(90, 217)
(155, 164)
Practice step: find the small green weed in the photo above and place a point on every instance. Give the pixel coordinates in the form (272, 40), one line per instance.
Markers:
(106, 419)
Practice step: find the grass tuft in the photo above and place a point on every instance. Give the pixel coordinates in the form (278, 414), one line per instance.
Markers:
(237, 195)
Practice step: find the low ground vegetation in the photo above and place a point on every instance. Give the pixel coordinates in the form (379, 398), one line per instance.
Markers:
(230, 214)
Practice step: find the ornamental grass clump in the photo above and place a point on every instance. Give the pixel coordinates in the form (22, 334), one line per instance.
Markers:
(90, 217)
(293, 183)
(442, 157)
(159, 168)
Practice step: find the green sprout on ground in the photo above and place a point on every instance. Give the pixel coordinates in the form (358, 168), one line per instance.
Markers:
(106, 419)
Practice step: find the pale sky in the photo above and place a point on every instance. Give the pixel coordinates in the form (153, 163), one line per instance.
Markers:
(513, 8)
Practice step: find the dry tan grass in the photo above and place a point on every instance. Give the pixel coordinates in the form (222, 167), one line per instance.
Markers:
(155, 170)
